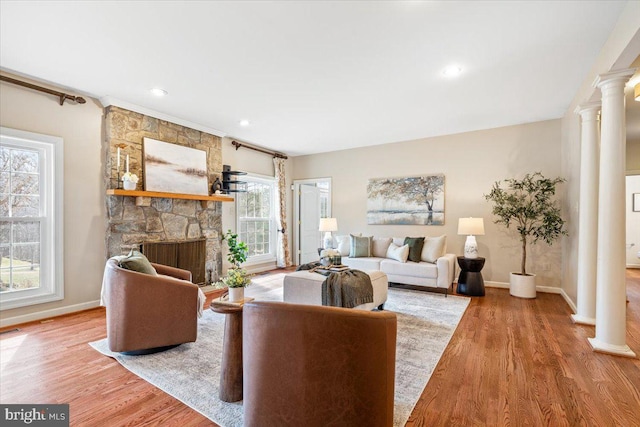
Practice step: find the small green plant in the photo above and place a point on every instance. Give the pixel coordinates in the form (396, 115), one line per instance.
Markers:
(238, 251)
(527, 204)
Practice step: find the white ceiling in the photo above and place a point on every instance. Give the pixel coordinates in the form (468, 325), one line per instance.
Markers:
(316, 76)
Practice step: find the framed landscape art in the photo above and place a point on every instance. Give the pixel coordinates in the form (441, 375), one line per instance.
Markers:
(415, 200)
(172, 168)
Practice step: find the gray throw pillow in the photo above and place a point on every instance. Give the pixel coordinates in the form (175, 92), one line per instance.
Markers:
(360, 246)
(135, 261)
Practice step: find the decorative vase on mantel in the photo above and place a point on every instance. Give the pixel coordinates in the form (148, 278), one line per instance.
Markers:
(129, 181)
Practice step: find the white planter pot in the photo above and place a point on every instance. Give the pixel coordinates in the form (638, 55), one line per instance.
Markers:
(236, 294)
(522, 286)
(129, 185)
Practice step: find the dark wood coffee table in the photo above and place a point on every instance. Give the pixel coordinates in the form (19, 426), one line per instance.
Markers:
(231, 368)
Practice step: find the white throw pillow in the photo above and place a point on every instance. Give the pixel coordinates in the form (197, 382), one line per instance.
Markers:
(434, 248)
(379, 246)
(343, 245)
(399, 253)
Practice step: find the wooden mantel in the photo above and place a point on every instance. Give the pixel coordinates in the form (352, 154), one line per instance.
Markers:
(139, 194)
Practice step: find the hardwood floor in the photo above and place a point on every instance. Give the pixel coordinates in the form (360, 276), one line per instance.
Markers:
(523, 362)
(510, 362)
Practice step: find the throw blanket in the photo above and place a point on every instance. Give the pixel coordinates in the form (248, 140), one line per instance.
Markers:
(348, 288)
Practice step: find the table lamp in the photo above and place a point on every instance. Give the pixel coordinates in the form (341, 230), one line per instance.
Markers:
(471, 227)
(328, 225)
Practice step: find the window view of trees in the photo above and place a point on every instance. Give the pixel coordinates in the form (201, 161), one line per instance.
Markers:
(255, 217)
(20, 222)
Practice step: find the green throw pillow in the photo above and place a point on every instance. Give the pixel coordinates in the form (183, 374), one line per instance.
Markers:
(360, 246)
(135, 261)
(415, 247)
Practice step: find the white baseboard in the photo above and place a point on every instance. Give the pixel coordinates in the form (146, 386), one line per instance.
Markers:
(502, 285)
(633, 265)
(569, 301)
(8, 321)
(259, 268)
(543, 289)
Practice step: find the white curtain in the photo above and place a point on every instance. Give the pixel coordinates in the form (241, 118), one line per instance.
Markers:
(282, 250)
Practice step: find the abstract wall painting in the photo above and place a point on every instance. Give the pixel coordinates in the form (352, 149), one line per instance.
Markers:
(173, 168)
(417, 200)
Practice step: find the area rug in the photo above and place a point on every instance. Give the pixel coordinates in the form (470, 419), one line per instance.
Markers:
(191, 372)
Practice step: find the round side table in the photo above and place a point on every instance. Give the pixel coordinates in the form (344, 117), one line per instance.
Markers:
(470, 281)
(231, 368)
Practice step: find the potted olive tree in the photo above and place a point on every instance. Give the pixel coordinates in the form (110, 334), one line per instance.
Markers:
(527, 205)
(237, 278)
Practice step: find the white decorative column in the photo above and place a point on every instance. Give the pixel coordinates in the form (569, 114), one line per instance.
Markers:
(588, 215)
(611, 310)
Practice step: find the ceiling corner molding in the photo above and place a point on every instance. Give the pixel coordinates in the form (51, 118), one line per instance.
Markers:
(107, 101)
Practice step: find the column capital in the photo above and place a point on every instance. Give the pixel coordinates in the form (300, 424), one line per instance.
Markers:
(587, 107)
(612, 76)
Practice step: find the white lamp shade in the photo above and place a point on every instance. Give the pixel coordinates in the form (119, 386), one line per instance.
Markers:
(328, 224)
(471, 226)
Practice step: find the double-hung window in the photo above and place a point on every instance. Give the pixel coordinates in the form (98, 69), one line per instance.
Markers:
(30, 218)
(256, 218)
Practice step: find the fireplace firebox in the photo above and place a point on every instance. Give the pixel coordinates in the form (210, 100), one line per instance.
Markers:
(187, 255)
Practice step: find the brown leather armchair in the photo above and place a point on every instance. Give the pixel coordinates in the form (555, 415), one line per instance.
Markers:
(148, 313)
(317, 366)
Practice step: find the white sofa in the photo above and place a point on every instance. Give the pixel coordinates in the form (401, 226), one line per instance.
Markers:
(439, 274)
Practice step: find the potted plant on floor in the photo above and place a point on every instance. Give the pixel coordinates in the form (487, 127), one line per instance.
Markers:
(527, 205)
(237, 278)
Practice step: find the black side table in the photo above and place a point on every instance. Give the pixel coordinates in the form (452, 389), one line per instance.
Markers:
(470, 281)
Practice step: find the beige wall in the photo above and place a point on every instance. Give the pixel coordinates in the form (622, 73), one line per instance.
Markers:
(471, 163)
(84, 207)
(620, 50)
(633, 157)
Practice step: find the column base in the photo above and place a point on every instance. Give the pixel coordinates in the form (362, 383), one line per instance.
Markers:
(583, 320)
(616, 350)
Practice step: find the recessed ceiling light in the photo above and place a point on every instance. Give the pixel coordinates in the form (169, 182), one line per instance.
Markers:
(244, 122)
(452, 71)
(159, 92)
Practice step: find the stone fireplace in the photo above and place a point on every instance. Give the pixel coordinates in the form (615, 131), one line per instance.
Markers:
(133, 221)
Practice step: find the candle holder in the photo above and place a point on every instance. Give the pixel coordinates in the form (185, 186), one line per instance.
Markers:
(118, 148)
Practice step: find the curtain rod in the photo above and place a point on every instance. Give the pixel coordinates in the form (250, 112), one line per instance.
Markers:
(272, 153)
(62, 96)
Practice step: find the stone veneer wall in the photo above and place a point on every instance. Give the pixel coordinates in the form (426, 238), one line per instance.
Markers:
(158, 219)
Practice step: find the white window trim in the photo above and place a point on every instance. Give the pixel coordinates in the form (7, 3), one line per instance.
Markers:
(52, 241)
(271, 257)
